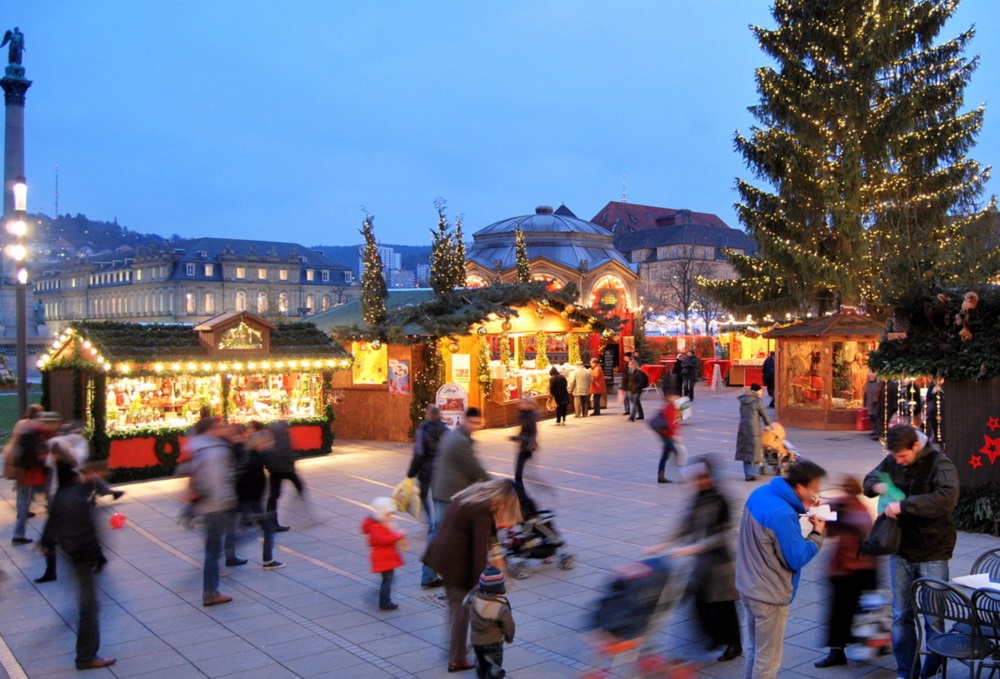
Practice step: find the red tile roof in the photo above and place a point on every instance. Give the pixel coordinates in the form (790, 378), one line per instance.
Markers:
(635, 217)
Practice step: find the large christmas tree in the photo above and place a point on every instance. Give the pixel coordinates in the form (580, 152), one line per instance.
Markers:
(863, 141)
(373, 288)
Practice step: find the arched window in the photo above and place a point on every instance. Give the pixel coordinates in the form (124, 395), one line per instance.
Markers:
(311, 303)
(551, 282)
(474, 281)
(241, 301)
(209, 302)
(261, 302)
(325, 302)
(283, 303)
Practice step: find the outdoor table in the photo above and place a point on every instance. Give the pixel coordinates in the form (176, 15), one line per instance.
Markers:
(708, 368)
(655, 373)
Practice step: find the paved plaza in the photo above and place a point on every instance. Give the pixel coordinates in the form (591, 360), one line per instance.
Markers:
(318, 617)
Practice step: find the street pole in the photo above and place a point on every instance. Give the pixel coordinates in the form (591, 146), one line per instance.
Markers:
(19, 228)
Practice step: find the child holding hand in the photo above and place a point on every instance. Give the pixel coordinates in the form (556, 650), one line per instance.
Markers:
(385, 541)
(491, 621)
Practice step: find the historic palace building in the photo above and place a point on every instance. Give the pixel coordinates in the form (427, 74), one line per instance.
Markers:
(205, 278)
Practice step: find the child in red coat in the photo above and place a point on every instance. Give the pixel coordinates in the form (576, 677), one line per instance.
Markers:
(384, 539)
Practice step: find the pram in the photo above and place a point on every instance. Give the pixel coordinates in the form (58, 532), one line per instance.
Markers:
(872, 626)
(779, 453)
(637, 597)
(535, 538)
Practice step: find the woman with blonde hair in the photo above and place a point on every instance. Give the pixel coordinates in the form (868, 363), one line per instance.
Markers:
(461, 548)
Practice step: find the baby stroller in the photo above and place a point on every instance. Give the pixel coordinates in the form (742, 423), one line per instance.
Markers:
(638, 596)
(779, 453)
(872, 626)
(535, 538)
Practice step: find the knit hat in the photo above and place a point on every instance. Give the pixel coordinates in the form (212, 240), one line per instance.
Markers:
(383, 507)
(754, 387)
(492, 581)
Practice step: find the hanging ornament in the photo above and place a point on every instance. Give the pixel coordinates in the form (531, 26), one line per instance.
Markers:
(570, 308)
(543, 302)
(376, 345)
(363, 346)
(505, 326)
(564, 314)
(540, 312)
(453, 347)
(481, 331)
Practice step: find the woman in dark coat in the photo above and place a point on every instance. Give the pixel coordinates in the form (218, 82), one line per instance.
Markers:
(459, 551)
(704, 532)
(527, 439)
(559, 390)
(280, 463)
(748, 446)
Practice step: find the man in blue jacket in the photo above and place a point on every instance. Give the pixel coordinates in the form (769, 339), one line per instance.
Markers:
(770, 554)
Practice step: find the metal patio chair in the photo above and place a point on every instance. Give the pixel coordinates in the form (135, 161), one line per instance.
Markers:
(942, 606)
(988, 562)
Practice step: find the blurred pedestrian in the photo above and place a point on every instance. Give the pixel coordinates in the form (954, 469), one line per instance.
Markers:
(462, 547)
(749, 449)
(30, 452)
(669, 434)
(690, 373)
(768, 372)
(851, 571)
(426, 440)
(250, 486)
(559, 390)
(598, 385)
(280, 463)
(456, 466)
(527, 441)
(637, 383)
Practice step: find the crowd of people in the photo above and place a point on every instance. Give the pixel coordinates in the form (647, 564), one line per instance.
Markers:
(232, 469)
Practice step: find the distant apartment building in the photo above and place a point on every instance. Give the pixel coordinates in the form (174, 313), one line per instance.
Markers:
(423, 277)
(205, 278)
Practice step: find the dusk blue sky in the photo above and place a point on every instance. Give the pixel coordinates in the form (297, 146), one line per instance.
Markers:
(280, 120)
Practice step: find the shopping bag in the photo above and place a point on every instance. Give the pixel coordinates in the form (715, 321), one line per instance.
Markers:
(407, 498)
(884, 537)
(550, 404)
(682, 453)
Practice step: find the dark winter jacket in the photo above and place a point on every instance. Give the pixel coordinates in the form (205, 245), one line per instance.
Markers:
(459, 550)
(281, 458)
(691, 368)
(490, 619)
(708, 524)
(426, 440)
(455, 466)
(771, 550)
(559, 388)
(931, 487)
(752, 413)
(637, 381)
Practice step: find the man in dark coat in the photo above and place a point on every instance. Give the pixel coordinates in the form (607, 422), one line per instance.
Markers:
(426, 440)
(690, 372)
(637, 382)
(71, 525)
(926, 521)
(280, 464)
(767, 372)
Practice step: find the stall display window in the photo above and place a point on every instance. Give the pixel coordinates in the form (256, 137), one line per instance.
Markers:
(272, 397)
(850, 372)
(176, 401)
(802, 374)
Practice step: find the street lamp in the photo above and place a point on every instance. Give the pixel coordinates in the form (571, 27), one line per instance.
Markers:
(18, 228)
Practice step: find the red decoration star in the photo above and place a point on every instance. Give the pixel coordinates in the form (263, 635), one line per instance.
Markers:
(976, 461)
(993, 423)
(991, 448)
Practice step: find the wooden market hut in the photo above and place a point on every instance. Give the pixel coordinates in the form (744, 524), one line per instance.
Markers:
(140, 387)
(462, 334)
(821, 366)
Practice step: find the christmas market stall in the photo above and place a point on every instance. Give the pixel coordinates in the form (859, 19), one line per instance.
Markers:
(952, 338)
(140, 387)
(821, 366)
(485, 347)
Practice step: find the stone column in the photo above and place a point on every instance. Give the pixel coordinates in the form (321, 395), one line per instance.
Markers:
(14, 85)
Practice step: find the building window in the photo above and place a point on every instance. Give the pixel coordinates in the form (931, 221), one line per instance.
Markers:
(241, 301)
(189, 303)
(348, 276)
(241, 272)
(209, 269)
(262, 274)
(190, 269)
(261, 302)
(282, 274)
(325, 276)
(283, 303)
(310, 275)
(325, 302)
(209, 302)
(311, 303)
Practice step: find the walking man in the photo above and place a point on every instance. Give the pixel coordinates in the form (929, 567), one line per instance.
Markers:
(637, 382)
(930, 484)
(770, 554)
(455, 465)
(690, 372)
(426, 440)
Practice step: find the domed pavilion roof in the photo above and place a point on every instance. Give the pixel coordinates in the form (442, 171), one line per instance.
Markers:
(557, 235)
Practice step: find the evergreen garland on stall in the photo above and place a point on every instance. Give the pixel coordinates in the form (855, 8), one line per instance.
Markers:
(373, 289)
(426, 381)
(541, 350)
(483, 373)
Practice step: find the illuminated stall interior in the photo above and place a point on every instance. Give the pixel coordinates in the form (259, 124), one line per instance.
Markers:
(821, 369)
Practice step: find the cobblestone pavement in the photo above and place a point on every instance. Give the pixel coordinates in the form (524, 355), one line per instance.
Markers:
(318, 616)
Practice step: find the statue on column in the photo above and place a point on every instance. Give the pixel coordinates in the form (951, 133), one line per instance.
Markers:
(16, 40)
(39, 313)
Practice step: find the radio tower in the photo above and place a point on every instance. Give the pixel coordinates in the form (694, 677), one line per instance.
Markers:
(624, 195)
(57, 191)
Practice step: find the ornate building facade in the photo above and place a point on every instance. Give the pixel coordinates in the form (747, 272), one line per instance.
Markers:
(205, 278)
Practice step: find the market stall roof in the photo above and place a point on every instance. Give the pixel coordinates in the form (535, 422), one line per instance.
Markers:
(350, 314)
(119, 347)
(835, 324)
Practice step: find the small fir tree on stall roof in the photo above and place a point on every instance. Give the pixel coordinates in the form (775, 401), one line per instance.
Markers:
(541, 350)
(447, 255)
(521, 255)
(458, 259)
(427, 381)
(483, 371)
(373, 289)
(862, 138)
(573, 346)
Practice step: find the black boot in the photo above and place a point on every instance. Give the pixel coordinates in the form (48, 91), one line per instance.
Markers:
(47, 576)
(50, 566)
(732, 651)
(836, 657)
